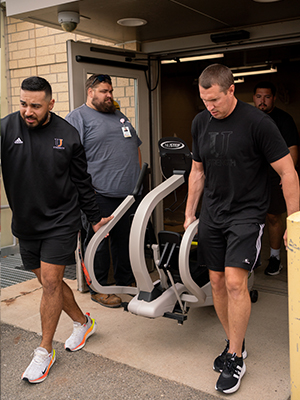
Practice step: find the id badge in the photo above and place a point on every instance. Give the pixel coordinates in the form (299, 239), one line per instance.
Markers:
(126, 131)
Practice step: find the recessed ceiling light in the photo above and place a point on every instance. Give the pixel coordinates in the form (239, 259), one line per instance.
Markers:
(132, 22)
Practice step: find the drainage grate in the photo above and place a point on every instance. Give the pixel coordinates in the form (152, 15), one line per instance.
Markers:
(13, 272)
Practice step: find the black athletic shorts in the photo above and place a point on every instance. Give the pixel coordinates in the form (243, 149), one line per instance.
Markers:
(234, 246)
(58, 250)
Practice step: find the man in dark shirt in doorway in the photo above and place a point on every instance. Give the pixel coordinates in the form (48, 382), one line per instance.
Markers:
(264, 99)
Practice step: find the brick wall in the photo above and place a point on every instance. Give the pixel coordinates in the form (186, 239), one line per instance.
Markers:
(38, 50)
(124, 94)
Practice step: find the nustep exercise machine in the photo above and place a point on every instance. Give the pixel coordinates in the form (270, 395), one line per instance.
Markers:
(182, 284)
(178, 287)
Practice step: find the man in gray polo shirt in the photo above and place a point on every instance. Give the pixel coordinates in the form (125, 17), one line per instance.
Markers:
(113, 155)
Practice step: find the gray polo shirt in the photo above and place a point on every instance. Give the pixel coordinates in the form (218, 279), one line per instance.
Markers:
(111, 145)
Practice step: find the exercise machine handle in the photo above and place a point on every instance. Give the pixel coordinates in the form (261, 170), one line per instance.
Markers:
(140, 180)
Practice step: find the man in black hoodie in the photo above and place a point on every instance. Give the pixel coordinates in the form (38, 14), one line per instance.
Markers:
(46, 181)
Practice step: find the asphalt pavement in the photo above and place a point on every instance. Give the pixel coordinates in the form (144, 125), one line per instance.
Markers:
(80, 375)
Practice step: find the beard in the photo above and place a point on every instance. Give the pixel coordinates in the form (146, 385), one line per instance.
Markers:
(262, 107)
(39, 124)
(104, 106)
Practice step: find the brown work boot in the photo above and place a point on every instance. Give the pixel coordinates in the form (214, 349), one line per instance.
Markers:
(107, 300)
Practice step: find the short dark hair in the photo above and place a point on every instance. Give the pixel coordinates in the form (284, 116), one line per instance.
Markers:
(265, 85)
(37, 84)
(216, 74)
(95, 79)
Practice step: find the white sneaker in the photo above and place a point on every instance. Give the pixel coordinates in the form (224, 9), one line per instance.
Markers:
(80, 334)
(37, 371)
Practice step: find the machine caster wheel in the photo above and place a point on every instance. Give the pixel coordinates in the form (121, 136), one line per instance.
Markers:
(253, 296)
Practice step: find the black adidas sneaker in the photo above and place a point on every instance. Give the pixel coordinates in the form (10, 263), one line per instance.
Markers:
(220, 360)
(230, 378)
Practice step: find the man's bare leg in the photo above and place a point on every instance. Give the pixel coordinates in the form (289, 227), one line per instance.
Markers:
(276, 230)
(232, 304)
(239, 307)
(219, 293)
(70, 307)
(57, 296)
(238, 314)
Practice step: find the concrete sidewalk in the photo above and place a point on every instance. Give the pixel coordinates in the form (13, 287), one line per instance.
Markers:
(132, 357)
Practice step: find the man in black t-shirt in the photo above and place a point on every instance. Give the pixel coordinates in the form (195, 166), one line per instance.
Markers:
(264, 99)
(233, 146)
(46, 181)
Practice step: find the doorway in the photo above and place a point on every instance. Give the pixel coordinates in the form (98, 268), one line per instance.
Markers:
(129, 83)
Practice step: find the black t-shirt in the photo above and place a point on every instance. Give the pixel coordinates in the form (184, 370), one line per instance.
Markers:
(235, 152)
(289, 132)
(45, 177)
(286, 126)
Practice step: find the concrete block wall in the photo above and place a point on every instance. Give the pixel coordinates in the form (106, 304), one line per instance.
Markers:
(37, 50)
